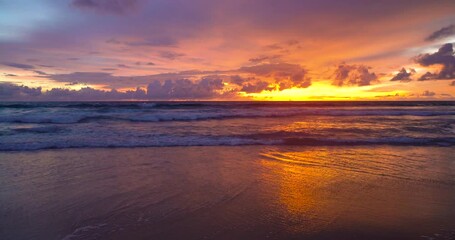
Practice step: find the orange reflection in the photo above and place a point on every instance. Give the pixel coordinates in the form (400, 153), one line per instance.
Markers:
(303, 188)
(337, 188)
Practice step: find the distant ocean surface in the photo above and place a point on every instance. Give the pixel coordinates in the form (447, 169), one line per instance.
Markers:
(58, 125)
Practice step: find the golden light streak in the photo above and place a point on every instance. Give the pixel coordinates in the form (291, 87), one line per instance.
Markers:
(323, 91)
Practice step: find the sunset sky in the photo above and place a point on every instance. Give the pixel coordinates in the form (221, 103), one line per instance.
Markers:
(227, 50)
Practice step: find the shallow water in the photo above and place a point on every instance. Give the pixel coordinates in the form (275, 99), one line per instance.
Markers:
(229, 192)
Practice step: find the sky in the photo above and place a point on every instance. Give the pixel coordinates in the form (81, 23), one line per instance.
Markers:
(227, 50)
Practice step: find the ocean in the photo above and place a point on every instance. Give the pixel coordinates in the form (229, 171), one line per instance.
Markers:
(227, 170)
(57, 125)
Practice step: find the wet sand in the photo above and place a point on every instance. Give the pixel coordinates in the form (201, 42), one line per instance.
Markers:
(248, 192)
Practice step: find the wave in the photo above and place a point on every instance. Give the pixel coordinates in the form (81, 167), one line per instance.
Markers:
(66, 117)
(220, 104)
(229, 141)
(39, 129)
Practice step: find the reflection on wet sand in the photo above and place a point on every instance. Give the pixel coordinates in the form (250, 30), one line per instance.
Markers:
(249, 192)
(351, 193)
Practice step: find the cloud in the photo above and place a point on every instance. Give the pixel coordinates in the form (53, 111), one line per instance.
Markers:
(155, 42)
(9, 75)
(72, 84)
(281, 74)
(40, 73)
(170, 55)
(107, 79)
(442, 33)
(107, 6)
(444, 57)
(11, 91)
(353, 75)
(123, 66)
(452, 84)
(88, 77)
(256, 87)
(403, 75)
(284, 74)
(147, 63)
(238, 80)
(185, 89)
(206, 88)
(265, 59)
(428, 76)
(427, 93)
(19, 65)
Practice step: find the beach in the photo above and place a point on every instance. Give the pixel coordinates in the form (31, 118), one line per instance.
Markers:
(229, 192)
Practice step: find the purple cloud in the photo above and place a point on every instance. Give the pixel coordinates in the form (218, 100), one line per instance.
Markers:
(19, 65)
(107, 6)
(185, 89)
(445, 57)
(256, 87)
(353, 75)
(9, 91)
(442, 33)
(403, 75)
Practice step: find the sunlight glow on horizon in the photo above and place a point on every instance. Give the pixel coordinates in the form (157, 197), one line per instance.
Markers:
(323, 91)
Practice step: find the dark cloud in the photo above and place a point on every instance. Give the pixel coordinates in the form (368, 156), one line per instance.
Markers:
(72, 84)
(9, 75)
(40, 73)
(147, 63)
(19, 65)
(428, 76)
(238, 80)
(107, 6)
(285, 74)
(427, 93)
(265, 59)
(122, 66)
(256, 87)
(9, 91)
(88, 93)
(353, 75)
(170, 55)
(444, 57)
(46, 66)
(403, 75)
(300, 80)
(88, 77)
(107, 79)
(185, 89)
(156, 42)
(275, 46)
(442, 33)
